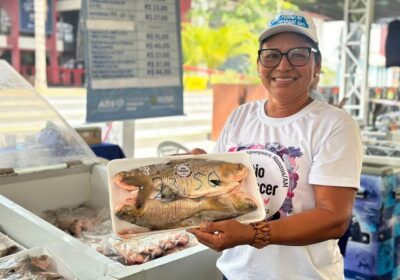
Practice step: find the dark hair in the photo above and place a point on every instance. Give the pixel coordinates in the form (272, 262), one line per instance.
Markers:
(317, 55)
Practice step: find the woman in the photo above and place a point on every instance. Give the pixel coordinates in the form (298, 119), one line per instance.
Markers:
(321, 146)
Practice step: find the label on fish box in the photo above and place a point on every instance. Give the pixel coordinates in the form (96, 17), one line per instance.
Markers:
(272, 179)
(183, 170)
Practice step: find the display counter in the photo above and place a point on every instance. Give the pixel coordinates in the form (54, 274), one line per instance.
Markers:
(88, 188)
(45, 165)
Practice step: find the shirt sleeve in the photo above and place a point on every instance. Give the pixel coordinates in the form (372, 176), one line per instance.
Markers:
(338, 161)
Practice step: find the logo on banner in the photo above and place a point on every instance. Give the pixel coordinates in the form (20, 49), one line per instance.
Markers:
(111, 104)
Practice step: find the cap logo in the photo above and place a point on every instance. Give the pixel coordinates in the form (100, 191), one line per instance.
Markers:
(289, 19)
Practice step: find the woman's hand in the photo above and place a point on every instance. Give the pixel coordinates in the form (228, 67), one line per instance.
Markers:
(197, 151)
(224, 234)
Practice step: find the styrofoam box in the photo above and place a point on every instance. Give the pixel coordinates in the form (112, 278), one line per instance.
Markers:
(24, 197)
(55, 266)
(31, 231)
(196, 263)
(117, 195)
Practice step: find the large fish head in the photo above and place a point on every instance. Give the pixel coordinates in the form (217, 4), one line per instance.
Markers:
(126, 212)
(233, 172)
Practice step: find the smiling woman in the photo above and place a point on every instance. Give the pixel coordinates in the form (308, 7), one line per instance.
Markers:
(320, 147)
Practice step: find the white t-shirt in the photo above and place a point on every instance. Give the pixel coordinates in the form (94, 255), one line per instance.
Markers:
(320, 144)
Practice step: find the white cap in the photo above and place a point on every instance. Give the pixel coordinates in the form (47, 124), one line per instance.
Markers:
(290, 21)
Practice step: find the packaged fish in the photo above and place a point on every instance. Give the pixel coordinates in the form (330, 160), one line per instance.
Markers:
(76, 220)
(34, 263)
(178, 192)
(146, 248)
(8, 246)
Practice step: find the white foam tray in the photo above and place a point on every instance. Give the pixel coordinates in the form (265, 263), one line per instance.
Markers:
(118, 195)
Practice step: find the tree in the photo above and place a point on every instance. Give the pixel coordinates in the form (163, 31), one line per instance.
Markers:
(224, 29)
(203, 45)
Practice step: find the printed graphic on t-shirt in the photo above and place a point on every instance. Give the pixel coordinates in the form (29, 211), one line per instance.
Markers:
(276, 169)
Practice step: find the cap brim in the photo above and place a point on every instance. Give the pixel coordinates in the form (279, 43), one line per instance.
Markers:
(283, 28)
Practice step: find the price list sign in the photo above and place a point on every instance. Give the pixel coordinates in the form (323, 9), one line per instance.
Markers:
(133, 59)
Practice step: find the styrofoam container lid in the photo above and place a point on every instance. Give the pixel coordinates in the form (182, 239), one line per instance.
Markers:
(117, 194)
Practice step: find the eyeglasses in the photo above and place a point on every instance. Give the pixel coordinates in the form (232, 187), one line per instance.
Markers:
(297, 56)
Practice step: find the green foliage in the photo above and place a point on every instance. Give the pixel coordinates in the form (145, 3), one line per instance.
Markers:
(328, 78)
(229, 29)
(203, 45)
(253, 13)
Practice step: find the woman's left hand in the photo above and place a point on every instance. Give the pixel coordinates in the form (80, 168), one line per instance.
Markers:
(224, 234)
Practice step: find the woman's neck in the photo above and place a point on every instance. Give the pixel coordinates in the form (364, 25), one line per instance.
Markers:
(276, 109)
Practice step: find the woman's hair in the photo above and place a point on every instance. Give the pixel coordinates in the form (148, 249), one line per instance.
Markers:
(317, 55)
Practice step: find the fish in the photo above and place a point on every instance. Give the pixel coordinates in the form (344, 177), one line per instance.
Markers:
(182, 178)
(28, 267)
(7, 249)
(158, 214)
(236, 204)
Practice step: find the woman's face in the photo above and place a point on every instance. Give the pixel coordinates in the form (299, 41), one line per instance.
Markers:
(284, 81)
